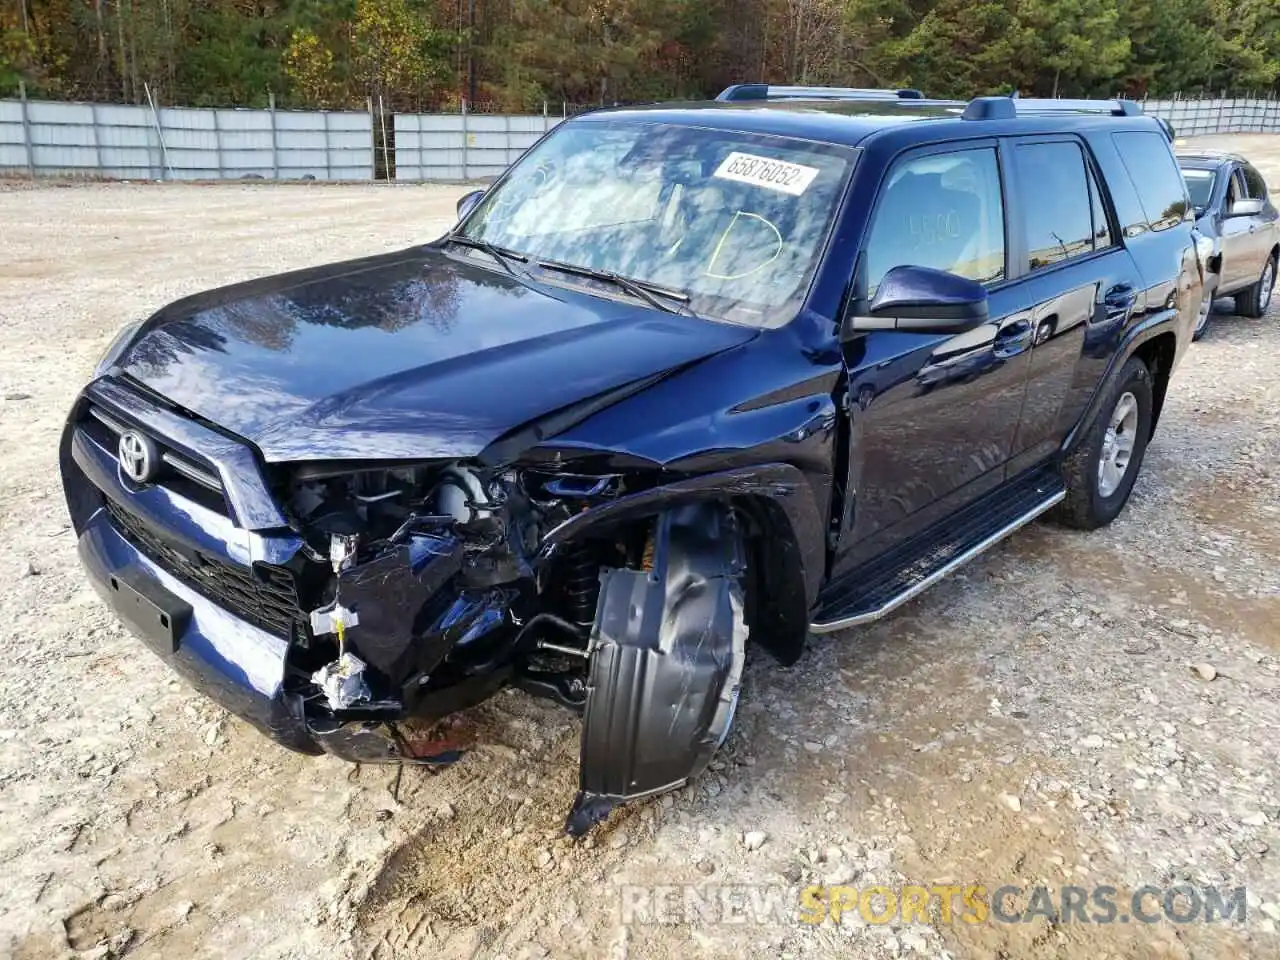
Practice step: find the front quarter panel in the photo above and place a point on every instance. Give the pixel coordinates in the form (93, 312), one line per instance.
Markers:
(767, 402)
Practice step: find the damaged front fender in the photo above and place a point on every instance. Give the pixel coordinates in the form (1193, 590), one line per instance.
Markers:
(779, 483)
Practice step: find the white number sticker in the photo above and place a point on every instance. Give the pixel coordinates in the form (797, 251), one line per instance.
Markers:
(779, 175)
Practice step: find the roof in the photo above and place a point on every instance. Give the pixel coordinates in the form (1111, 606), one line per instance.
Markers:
(851, 121)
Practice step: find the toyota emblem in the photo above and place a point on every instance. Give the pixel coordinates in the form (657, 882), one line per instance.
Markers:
(138, 456)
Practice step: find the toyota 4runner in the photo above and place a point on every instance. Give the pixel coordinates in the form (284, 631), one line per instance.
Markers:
(685, 377)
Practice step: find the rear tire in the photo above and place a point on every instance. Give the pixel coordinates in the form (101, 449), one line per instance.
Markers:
(1253, 301)
(1101, 471)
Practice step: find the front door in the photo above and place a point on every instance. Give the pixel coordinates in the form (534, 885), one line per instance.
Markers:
(1239, 258)
(932, 416)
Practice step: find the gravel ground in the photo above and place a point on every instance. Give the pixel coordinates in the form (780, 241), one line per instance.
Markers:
(1036, 720)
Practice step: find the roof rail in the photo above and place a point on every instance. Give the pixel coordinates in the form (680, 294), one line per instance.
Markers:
(766, 91)
(1006, 108)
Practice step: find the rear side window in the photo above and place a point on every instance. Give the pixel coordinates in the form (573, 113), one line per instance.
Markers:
(945, 211)
(1155, 175)
(1057, 206)
(1253, 179)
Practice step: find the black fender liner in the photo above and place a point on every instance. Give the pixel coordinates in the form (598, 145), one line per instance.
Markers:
(666, 656)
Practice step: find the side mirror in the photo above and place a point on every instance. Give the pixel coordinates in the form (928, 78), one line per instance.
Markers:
(924, 300)
(1245, 208)
(467, 202)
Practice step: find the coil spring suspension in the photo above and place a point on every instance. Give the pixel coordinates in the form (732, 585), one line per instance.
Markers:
(582, 583)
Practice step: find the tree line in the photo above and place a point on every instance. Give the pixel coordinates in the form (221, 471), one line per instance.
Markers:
(516, 55)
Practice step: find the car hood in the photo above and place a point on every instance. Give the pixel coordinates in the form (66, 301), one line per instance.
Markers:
(420, 354)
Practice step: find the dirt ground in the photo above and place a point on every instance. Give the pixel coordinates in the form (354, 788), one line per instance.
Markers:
(1034, 721)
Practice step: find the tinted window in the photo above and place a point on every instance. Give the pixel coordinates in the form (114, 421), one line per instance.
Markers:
(1253, 179)
(1057, 210)
(943, 211)
(1155, 175)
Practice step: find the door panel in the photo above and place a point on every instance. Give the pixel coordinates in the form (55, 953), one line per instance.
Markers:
(1060, 324)
(1072, 305)
(933, 420)
(1078, 282)
(1238, 245)
(1261, 226)
(932, 417)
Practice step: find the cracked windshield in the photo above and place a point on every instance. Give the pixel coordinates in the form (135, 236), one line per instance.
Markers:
(725, 225)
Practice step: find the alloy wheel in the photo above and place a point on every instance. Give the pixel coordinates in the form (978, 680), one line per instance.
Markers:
(1118, 444)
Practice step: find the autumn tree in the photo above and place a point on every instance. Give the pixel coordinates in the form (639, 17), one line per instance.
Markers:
(309, 66)
(415, 54)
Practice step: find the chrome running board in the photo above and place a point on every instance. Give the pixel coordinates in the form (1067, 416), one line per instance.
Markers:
(839, 620)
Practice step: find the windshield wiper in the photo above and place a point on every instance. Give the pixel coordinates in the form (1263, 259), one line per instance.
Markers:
(500, 254)
(640, 289)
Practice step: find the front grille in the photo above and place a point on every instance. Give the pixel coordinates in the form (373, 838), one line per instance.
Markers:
(192, 479)
(264, 595)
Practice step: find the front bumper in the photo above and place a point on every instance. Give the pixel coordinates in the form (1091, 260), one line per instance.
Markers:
(234, 663)
(149, 552)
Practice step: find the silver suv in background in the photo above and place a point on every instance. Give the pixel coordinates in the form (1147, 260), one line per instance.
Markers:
(1235, 213)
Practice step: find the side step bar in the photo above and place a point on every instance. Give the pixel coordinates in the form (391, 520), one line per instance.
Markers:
(871, 591)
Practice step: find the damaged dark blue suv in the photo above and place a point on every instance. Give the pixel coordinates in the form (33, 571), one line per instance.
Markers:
(685, 377)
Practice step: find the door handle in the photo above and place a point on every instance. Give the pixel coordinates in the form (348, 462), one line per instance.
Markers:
(1013, 338)
(1119, 300)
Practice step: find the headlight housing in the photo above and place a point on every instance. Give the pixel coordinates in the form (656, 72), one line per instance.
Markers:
(117, 346)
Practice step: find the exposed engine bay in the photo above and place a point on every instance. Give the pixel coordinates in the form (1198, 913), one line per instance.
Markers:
(428, 587)
(426, 526)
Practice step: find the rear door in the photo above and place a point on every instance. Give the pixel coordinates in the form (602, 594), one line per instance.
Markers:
(1075, 277)
(932, 416)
